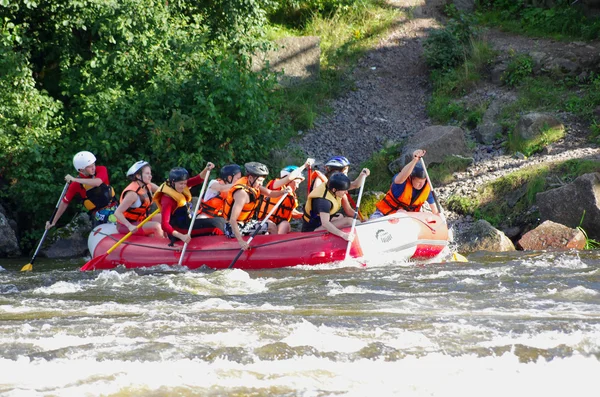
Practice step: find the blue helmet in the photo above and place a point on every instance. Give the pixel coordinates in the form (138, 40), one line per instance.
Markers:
(229, 171)
(418, 172)
(337, 162)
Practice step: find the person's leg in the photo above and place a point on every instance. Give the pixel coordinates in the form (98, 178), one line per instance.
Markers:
(342, 222)
(271, 227)
(284, 227)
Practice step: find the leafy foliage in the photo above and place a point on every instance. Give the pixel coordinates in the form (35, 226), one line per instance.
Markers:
(563, 19)
(168, 82)
(519, 68)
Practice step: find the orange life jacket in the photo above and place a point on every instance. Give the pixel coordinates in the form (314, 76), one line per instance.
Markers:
(390, 203)
(137, 214)
(213, 207)
(313, 178)
(249, 208)
(285, 209)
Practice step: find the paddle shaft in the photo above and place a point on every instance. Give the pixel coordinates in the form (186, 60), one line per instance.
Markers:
(64, 191)
(137, 227)
(194, 216)
(308, 181)
(360, 193)
(435, 198)
(258, 229)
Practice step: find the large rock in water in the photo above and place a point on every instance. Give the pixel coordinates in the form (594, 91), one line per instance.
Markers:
(71, 240)
(481, 236)
(551, 235)
(567, 204)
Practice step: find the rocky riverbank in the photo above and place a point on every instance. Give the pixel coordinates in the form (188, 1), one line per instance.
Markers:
(388, 104)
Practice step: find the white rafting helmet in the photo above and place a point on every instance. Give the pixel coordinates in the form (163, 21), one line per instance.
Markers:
(135, 168)
(83, 159)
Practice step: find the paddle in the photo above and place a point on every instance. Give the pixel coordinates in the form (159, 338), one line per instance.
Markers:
(360, 192)
(29, 267)
(308, 181)
(258, 229)
(455, 256)
(94, 261)
(194, 216)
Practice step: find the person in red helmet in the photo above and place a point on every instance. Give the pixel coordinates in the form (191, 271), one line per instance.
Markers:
(409, 190)
(93, 187)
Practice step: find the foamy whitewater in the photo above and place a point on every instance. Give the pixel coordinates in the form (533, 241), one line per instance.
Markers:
(499, 325)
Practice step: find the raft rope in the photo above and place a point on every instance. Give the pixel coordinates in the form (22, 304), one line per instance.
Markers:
(295, 238)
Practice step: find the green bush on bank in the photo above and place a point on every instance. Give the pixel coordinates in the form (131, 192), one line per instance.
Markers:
(128, 80)
(563, 20)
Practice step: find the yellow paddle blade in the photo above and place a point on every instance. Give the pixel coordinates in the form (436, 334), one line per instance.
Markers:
(27, 268)
(456, 257)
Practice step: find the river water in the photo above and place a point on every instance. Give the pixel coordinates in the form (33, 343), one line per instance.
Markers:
(518, 324)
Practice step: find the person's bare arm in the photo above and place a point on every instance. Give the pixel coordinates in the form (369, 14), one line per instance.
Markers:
(95, 182)
(330, 227)
(364, 173)
(127, 202)
(408, 168)
(348, 210)
(62, 207)
(241, 198)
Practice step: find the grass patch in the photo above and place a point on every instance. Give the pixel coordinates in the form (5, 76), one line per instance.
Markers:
(546, 136)
(444, 107)
(380, 178)
(442, 173)
(346, 35)
(509, 198)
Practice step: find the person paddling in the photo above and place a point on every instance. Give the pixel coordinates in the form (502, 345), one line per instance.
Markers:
(242, 201)
(323, 203)
(135, 202)
(93, 187)
(409, 190)
(175, 201)
(332, 166)
(289, 176)
(216, 193)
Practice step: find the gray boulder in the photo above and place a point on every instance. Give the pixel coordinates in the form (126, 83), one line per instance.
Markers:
(439, 141)
(532, 125)
(567, 204)
(71, 240)
(481, 236)
(551, 235)
(9, 245)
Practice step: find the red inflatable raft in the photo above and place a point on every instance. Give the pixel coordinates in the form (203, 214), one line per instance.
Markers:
(406, 236)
